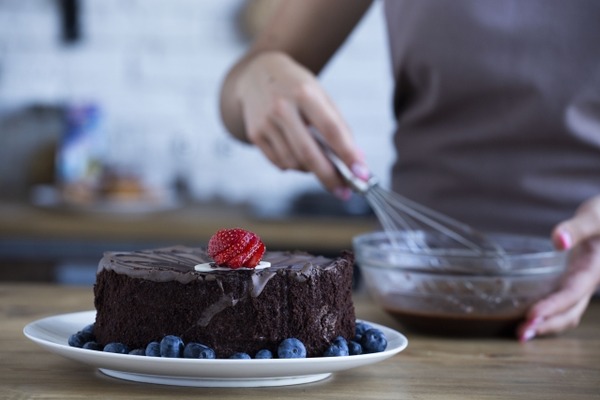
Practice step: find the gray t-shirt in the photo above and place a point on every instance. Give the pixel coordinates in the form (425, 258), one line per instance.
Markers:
(498, 108)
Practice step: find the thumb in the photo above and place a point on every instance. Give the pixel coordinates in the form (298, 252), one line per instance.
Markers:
(584, 225)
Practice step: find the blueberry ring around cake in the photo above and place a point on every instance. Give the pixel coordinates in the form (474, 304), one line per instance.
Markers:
(142, 296)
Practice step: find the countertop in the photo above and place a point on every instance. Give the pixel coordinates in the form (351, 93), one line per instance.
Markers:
(563, 367)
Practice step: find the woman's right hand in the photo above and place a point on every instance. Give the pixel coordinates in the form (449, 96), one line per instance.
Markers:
(280, 100)
(272, 98)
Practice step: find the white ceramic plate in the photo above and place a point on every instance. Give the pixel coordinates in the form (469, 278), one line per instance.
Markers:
(53, 333)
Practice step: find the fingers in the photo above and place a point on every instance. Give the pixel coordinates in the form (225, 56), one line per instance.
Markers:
(556, 323)
(318, 111)
(563, 309)
(285, 139)
(584, 224)
(280, 102)
(569, 318)
(273, 145)
(326, 118)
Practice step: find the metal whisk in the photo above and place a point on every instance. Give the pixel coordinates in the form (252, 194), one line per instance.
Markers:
(397, 213)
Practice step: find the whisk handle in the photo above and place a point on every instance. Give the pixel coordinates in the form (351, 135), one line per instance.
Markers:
(357, 184)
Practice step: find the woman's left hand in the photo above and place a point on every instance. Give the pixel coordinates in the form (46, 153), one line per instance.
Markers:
(564, 308)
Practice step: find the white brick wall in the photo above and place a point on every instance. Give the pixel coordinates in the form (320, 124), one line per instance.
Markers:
(155, 67)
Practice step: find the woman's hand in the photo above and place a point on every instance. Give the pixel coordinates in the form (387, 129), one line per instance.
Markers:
(564, 308)
(271, 96)
(279, 101)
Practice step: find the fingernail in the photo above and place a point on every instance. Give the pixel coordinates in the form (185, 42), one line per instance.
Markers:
(361, 171)
(530, 332)
(528, 335)
(342, 193)
(565, 241)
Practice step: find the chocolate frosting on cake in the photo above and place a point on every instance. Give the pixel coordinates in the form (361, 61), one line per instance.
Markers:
(177, 264)
(142, 296)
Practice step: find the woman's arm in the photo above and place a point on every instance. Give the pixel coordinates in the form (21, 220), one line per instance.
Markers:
(271, 95)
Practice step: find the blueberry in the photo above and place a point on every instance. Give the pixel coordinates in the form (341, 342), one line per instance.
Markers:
(76, 340)
(92, 346)
(171, 346)
(153, 349)
(89, 329)
(241, 356)
(354, 348)
(339, 347)
(138, 352)
(80, 338)
(373, 341)
(264, 354)
(197, 350)
(361, 328)
(291, 348)
(116, 348)
(334, 351)
(340, 342)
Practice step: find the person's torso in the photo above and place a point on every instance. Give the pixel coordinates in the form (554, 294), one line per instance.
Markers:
(498, 108)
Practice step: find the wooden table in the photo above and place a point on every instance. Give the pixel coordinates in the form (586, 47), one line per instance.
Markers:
(565, 367)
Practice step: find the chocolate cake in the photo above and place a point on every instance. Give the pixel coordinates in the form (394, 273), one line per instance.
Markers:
(142, 296)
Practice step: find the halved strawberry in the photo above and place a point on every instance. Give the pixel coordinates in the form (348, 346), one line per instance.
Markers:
(224, 238)
(236, 248)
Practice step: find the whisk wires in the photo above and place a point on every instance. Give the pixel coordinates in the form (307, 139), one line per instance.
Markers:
(397, 213)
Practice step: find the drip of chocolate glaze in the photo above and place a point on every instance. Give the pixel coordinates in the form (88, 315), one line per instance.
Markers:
(225, 302)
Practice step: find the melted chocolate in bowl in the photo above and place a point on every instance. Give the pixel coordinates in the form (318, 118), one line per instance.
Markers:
(452, 308)
(458, 325)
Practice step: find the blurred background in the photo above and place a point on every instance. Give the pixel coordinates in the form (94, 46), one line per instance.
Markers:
(110, 137)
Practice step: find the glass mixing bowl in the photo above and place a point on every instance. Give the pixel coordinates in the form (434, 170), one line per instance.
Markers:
(434, 286)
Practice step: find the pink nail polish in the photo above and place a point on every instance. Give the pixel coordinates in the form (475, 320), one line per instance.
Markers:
(528, 335)
(530, 332)
(565, 240)
(361, 171)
